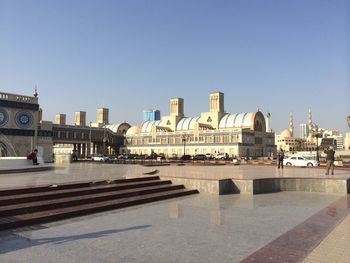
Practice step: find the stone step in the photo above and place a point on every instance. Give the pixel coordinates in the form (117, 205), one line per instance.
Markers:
(54, 194)
(22, 208)
(71, 185)
(7, 222)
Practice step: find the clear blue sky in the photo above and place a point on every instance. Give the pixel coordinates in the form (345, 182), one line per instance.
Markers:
(280, 56)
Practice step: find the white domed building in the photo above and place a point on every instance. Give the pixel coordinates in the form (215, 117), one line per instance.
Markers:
(240, 134)
(288, 143)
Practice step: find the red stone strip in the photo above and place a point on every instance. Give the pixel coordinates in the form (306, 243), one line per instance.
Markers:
(297, 243)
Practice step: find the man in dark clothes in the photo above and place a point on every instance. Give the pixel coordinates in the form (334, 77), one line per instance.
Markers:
(330, 160)
(34, 156)
(280, 158)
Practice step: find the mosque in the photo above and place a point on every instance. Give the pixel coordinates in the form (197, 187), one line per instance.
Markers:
(237, 134)
(289, 143)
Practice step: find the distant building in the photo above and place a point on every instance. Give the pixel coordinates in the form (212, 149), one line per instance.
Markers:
(304, 131)
(287, 142)
(216, 131)
(339, 139)
(151, 115)
(347, 141)
(21, 127)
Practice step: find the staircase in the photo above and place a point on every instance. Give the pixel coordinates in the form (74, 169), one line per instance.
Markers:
(33, 205)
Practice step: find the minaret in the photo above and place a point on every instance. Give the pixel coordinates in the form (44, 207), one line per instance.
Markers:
(310, 120)
(291, 127)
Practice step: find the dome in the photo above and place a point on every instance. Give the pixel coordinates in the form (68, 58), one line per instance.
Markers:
(286, 134)
(147, 125)
(236, 120)
(187, 123)
(115, 127)
(133, 131)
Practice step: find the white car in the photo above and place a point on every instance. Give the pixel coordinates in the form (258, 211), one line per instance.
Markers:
(299, 161)
(221, 156)
(100, 158)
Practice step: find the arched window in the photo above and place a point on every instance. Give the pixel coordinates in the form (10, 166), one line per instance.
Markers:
(3, 150)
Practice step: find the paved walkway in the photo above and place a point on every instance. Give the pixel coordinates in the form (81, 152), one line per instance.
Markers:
(95, 171)
(335, 247)
(202, 228)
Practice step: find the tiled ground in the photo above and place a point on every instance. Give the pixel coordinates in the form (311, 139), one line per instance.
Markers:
(96, 171)
(335, 247)
(200, 228)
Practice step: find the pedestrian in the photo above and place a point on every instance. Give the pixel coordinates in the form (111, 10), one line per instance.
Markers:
(280, 157)
(33, 155)
(330, 160)
(75, 155)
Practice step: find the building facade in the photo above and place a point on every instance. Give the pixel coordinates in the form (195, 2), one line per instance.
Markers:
(21, 127)
(95, 138)
(241, 135)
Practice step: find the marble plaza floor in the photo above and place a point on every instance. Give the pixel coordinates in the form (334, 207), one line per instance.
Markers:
(96, 171)
(199, 228)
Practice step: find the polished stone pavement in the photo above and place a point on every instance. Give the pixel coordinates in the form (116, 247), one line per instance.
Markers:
(96, 171)
(201, 228)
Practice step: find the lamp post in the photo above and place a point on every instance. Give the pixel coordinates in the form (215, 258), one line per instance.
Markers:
(184, 138)
(105, 139)
(317, 133)
(90, 139)
(348, 119)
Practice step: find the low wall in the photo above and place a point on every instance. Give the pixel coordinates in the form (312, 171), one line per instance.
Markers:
(203, 185)
(21, 164)
(17, 161)
(266, 185)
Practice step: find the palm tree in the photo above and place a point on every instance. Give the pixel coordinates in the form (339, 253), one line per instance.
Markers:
(300, 144)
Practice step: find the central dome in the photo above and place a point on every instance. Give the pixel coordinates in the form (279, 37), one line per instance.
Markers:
(286, 134)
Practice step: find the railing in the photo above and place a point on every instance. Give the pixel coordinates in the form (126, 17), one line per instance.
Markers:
(19, 98)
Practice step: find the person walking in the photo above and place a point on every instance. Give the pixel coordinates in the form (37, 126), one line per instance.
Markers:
(330, 160)
(280, 157)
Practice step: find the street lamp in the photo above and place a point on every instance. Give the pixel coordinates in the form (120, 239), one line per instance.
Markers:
(105, 139)
(348, 119)
(184, 138)
(317, 133)
(90, 139)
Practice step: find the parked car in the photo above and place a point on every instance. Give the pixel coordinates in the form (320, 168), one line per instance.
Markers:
(299, 161)
(209, 156)
(221, 156)
(123, 156)
(185, 157)
(100, 158)
(199, 157)
(173, 157)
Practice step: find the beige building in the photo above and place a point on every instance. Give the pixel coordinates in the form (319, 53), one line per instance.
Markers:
(215, 131)
(347, 141)
(21, 127)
